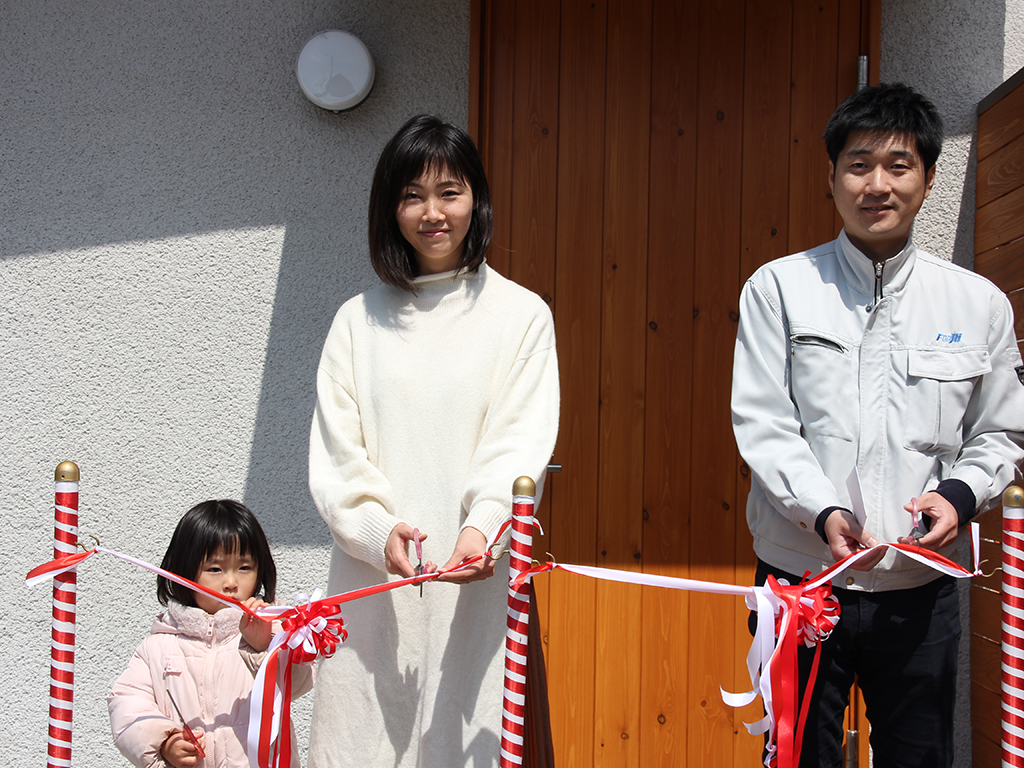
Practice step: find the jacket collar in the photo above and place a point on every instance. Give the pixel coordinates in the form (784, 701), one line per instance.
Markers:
(193, 622)
(859, 270)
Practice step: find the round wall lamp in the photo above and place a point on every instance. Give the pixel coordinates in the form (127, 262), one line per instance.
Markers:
(335, 70)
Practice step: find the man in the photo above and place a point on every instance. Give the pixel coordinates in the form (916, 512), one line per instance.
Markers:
(871, 381)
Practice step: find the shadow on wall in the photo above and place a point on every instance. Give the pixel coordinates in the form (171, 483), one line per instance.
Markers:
(141, 122)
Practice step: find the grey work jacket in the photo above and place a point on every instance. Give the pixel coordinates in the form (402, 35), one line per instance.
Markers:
(887, 379)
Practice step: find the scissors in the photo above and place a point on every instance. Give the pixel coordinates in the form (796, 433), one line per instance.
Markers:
(189, 736)
(915, 516)
(419, 555)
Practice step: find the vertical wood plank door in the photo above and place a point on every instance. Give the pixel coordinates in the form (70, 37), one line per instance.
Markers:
(645, 156)
(999, 256)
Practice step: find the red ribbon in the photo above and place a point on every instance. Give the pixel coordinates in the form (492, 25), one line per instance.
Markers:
(808, 617)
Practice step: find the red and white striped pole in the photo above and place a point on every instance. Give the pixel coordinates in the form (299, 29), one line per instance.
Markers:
(1013, 628)
(513, 717)
(62, 647)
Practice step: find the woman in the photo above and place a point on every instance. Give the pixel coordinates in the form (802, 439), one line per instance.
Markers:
(435, 391)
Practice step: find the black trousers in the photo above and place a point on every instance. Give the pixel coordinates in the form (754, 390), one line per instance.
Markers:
(902, 648)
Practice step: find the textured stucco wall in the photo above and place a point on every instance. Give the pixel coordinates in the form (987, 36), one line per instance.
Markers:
(955, 52)
(177, 227)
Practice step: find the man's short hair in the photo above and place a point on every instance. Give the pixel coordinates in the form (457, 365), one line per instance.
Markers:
(890, 108)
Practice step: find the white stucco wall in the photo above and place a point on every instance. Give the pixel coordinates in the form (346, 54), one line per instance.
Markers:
(177, 227)
(955, 52)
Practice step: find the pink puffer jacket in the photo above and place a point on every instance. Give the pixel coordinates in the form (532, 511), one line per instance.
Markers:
(208, 669)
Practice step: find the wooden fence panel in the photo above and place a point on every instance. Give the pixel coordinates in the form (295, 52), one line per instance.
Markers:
(999, 256)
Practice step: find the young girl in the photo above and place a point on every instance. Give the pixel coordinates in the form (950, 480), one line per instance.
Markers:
(202, 653)
(435, 392)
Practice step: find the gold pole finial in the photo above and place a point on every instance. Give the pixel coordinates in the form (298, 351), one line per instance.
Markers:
(66, 471)
(524, 486)
(1013, 496)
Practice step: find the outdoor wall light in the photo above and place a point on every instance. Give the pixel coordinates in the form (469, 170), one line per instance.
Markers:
(335, 70)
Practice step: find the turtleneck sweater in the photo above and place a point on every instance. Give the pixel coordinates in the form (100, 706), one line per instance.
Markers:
(429, 406)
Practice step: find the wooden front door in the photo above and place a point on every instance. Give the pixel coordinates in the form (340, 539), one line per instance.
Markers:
(645, 157)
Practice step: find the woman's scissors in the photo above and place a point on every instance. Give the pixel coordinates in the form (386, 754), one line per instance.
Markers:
(419, 555)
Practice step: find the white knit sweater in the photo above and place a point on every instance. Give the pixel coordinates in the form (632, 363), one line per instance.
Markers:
(429, 407)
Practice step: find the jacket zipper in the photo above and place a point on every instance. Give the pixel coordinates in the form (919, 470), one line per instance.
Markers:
(878, 281)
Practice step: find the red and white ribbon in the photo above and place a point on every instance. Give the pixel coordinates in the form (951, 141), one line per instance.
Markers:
(493, 545)
(788, 615)
(313, 628)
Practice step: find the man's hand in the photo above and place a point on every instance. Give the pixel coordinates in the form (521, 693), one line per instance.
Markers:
(846, 536)
(945, 522)
(470, 543)
(179, 751)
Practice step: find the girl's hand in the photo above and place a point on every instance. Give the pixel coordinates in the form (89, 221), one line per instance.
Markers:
(179, 751)
(470, 543)
(396, 550)
(256, 632)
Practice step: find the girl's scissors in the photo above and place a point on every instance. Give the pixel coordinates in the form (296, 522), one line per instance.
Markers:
(191, 737)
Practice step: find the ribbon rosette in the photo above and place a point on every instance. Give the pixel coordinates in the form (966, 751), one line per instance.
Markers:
(787, 616)
(310, 629)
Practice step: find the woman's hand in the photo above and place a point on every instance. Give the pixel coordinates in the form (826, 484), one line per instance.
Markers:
(470, 543)
(256, 632)
(396, 551)
(179, 751)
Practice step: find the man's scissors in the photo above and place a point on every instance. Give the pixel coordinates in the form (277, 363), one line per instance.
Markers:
(915, 516)
(419, 555)
(191, 737)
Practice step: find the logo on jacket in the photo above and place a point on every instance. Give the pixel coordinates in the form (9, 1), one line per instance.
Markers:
(949, 338)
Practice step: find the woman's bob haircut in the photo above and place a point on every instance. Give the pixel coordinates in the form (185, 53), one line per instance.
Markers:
(425, 143)
(203, 530)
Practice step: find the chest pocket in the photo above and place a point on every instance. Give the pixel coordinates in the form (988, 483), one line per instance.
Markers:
(939, 388)
(821, 385)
